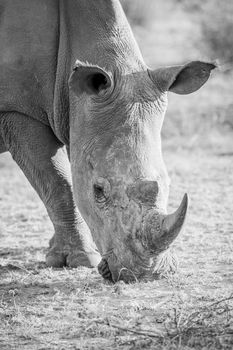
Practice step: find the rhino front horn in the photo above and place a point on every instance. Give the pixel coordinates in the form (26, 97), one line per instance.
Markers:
(161, 230)
(173, 223)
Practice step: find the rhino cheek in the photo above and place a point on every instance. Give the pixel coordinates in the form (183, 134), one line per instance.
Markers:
(123, 227)
(84, 199)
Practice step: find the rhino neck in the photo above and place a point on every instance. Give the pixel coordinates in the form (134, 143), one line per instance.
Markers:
(61, 91)
(96, 32)
(100, 34)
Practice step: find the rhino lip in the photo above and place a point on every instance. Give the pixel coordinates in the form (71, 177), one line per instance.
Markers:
(127, 275)
(123, 273)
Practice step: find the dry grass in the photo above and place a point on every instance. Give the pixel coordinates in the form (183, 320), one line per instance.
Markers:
(70, 309)
(42, 308)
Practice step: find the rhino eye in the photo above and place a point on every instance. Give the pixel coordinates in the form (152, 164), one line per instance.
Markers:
(99, 194)
(99, 82)
(101, 190)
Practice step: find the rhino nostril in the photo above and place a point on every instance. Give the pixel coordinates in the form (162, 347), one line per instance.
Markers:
(104, 270)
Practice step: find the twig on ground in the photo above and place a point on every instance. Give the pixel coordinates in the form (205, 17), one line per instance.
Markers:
(207, 308)
(192, 318)
(160, 334)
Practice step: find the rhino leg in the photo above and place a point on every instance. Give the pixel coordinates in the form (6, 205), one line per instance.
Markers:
(44, 161)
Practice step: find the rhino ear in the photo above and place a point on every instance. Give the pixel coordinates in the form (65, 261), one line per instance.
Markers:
(90, 79)
(183, 79)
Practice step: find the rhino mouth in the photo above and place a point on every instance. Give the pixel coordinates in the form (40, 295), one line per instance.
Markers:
(158, 232)
(166, 263)
(124, 273)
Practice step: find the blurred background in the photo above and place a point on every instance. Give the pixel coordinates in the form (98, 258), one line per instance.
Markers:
(176, 31)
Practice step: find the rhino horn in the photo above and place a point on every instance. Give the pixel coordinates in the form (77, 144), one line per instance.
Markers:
(161, 230)
(173, 223)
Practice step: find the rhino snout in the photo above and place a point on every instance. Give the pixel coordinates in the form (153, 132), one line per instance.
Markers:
(143, 192)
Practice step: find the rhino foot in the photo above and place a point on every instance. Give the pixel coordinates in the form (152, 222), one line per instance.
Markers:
(77, 258)
(72, 259)
(55, 259)
(104, 270)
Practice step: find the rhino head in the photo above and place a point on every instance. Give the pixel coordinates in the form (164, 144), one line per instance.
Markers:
(120, 181)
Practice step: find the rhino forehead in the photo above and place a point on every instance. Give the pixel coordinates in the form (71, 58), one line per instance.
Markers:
(121, 121)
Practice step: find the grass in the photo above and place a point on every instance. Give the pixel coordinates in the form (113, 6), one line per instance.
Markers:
(44, 308)
(77, 310)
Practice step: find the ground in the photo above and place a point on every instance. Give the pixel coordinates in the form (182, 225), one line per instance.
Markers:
(44, 308)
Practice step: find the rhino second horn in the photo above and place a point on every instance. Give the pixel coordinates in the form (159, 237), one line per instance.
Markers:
(173, 223)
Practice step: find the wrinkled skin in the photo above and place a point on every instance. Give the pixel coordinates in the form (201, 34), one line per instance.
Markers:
(108, 112)
(128, 153)
(124, 188)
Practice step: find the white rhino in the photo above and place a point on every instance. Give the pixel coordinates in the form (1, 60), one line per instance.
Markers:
(71, 74)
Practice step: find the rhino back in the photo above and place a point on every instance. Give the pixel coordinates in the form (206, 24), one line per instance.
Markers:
(29, 33)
